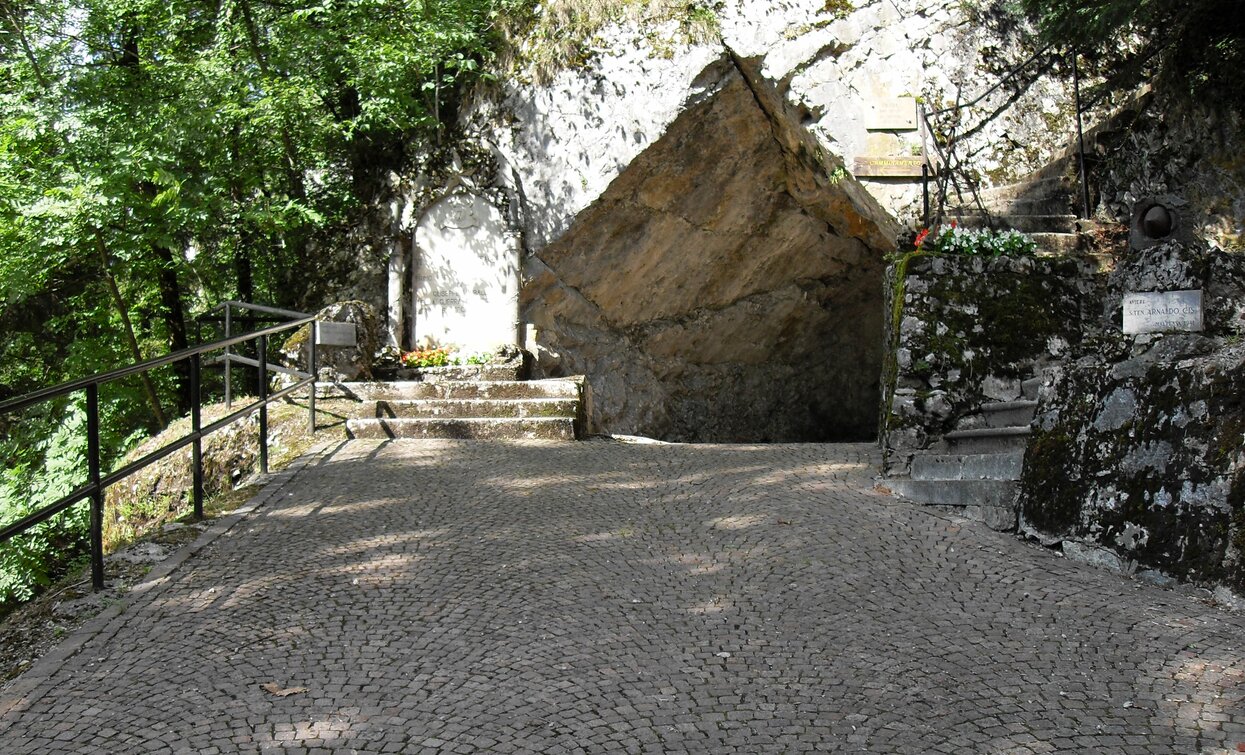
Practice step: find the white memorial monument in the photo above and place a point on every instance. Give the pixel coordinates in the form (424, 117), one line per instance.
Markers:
(466, 276)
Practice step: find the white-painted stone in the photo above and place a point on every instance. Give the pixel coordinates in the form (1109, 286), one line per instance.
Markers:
(467, 276)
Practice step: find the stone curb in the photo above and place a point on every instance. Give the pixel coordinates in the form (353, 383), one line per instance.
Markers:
(21, 694)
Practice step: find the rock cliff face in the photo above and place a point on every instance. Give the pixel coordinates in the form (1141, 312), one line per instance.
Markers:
(696, 243)
(704, 301)
(693, 237)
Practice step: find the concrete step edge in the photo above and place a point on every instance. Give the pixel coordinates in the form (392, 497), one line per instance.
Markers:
(1007, 406)
(988, 432)
(985, 493)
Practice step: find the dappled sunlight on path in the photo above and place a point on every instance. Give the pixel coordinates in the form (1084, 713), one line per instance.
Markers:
(486, 596)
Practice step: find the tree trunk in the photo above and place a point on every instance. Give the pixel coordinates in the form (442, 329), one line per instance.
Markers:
(124, 311)
(174, 319)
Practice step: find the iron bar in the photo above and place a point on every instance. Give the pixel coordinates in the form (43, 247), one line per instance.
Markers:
(925, 194)
(263, 404)
(228, 366)
(45, 513)
(263, 308)
(311, 367)
(30, 399)
(196, 431)
(98, 483)
(255, 363)
(97, 490)
(1080, 136)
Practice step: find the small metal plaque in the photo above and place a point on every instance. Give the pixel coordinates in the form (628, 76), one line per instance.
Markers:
(1163, 311)
(898, 166)
(891, 114)
(335, 334)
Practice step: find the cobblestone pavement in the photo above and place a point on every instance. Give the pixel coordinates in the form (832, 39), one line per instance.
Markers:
(462, 597)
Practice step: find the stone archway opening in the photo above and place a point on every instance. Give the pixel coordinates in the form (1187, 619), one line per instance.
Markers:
(721, 289)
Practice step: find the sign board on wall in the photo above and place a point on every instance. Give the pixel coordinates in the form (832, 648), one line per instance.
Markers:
(1163, 311)
(891, 114)
(335, 334)
(895, 166)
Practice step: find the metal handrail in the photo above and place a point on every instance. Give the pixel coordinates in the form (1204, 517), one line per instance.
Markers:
(266, 314)
(945, 159)
(97, 482)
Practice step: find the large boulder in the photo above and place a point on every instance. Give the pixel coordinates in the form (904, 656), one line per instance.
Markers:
(341, 362)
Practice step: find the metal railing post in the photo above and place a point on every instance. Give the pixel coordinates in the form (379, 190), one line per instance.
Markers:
(196, 427)
(228, 391)
(311, 367)
(925, 195)
(1080, 136)
(97, 492)
(263, 405)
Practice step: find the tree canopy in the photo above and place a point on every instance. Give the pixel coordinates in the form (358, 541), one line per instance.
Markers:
(1195, 46)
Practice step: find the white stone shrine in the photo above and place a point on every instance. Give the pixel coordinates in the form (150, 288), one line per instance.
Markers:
(465, 270)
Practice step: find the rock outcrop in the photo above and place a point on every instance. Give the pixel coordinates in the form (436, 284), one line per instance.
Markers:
(1138, 453)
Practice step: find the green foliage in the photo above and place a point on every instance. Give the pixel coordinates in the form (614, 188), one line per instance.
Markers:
(158, 156)
(1195, 46)
(437, 357)
(33, 559)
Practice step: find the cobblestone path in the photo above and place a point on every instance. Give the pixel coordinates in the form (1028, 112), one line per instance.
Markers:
(440, 596)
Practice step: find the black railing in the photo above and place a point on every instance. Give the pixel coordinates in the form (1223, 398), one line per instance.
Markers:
(252, 314)
(97, 482)
(945, 164)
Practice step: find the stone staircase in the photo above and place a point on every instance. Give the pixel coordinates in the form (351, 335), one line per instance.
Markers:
(1040, 206)
(467, 409)
(977, 469)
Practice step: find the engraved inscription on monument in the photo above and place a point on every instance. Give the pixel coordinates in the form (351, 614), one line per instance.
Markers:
(891, 114)
(898, 166)
(1163, 311)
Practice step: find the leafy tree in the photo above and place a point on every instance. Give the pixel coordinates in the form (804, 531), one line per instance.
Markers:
(158, 156)
(1198, 46)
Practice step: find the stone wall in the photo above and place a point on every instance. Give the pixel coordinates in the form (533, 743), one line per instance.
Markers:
(971, 330)
(1138, 456)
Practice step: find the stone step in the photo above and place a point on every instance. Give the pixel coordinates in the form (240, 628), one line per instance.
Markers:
(452, 389)
(480, 408)
(1009, 413)
(987, 440)
(1024, 223)
(1035, 188)
(996, 466)
(1056, 244)
(1029, 388)
(506, 371)
(474, 428)
(984, 493)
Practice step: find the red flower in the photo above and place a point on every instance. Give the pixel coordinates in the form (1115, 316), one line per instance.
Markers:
(920, 237)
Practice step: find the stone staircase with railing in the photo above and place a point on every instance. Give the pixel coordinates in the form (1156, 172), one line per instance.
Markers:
(448, 407)
(1040, 206)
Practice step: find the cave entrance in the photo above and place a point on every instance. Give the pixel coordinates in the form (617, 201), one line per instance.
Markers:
(719, 290)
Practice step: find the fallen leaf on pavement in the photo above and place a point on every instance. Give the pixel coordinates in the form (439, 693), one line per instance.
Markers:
(273, 688)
